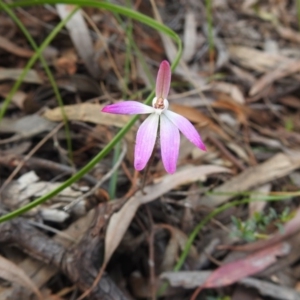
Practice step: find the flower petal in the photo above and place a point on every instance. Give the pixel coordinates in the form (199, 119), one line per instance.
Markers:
(169, 143)
(145, 141)
(128, 108)
(186, 127)
(163, 80)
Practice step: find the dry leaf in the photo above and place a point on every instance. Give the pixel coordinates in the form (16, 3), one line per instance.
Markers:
(275, 291)
(228, 273)
(9, 46)
(288, 34)
(13, 74)
(66, 63)
(238, 109)
(192, 279)
(286, 69)
(260, 61)
(232, 90)
(232, 272)
(80, 36)
(118, 225)
(291, 101)
(27, 126)
(18, 98)
(276, 167)
(189, 36)
(186, 279)
(258, 206)
(87, 112)
(11, 272)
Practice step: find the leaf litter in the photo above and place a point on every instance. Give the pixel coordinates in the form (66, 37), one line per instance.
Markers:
(243, 98)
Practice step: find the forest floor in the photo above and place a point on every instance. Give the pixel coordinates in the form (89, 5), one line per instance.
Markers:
(78, 221)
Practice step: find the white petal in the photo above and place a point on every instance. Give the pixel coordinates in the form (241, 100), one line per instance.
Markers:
(186, 127)
(169, 142)
(128, 108)
(145, 141)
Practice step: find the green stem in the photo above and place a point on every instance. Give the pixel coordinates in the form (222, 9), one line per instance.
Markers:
(208, 6)
(114, 178)
(117, 150)
(298, 12)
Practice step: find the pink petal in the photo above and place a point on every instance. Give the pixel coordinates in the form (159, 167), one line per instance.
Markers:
(186, 127)
(145, 141)
(169, 142)
(163, 80)
(128, 108)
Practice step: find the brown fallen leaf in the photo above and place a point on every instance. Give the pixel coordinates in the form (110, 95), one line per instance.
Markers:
(276, 167)
(252, 264)
(87, 112)
(258, 206)
(18, 98)
(231, 89)
(239, 110)
(260, 61)
(192, 279)
(13, 74)
(11, 272)
(189, 36)
(232, 272)
(80, 36)
(290, 101)
(11, 47)
(286, 69)
(27, 126)
(288, 34)
(66, 63)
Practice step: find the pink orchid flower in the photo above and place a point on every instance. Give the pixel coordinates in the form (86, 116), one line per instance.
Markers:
(169, 123)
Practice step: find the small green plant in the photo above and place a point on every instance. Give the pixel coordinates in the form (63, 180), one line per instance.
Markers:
(289, 125)
(256, 227)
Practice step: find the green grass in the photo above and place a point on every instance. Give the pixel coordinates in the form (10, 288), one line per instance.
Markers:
(209, 19)
(298, 12)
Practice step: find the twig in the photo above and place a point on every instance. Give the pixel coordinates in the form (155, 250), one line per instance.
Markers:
(133, 189)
